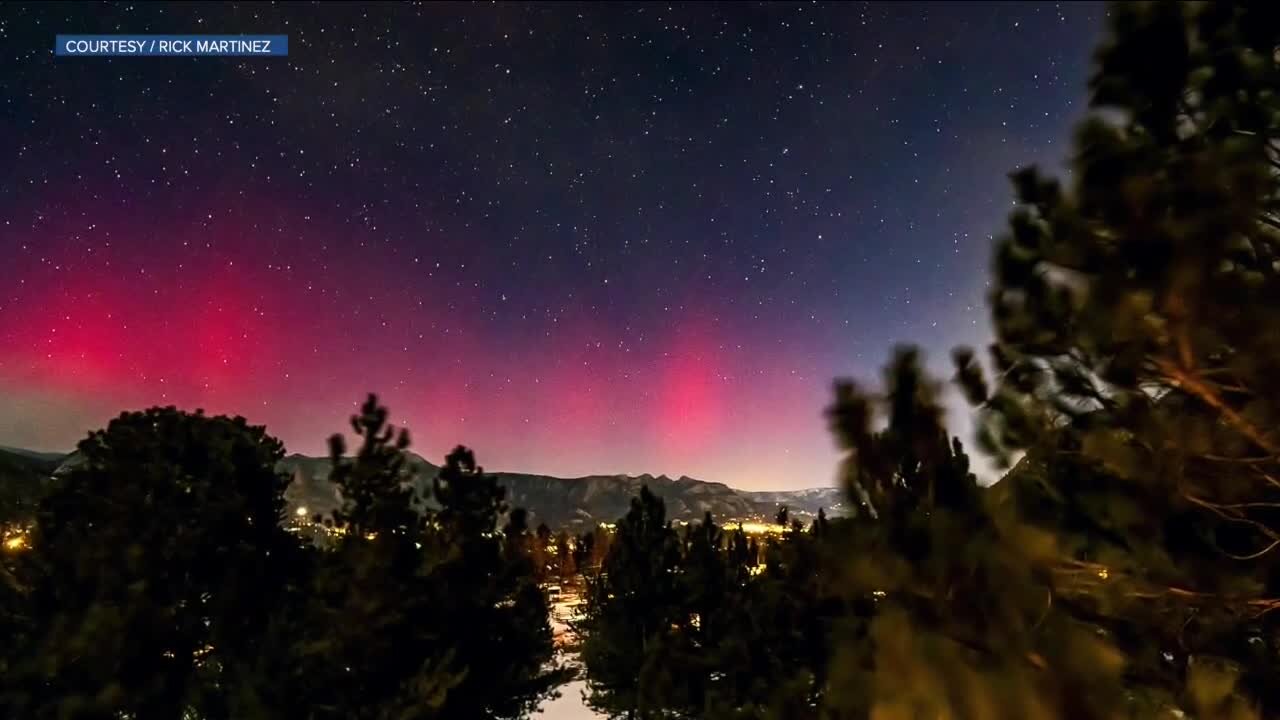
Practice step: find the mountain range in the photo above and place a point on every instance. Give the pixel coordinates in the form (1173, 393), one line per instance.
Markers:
(585, 501)
(22, 477)
(558, 502)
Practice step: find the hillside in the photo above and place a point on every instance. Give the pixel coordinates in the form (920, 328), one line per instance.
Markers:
(22, 479)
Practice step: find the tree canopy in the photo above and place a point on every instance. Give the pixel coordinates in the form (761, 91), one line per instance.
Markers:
(1137, 351)
(153, 570)
(161, 583)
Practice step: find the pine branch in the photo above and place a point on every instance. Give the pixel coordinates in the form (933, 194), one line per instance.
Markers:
(1245, 460)
(1155, 591)
(1189, 383)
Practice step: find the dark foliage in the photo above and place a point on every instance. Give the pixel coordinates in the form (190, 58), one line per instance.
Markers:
(155, 567)
(161, 583)
(631, 608)
(923, 604)
(1136, 312)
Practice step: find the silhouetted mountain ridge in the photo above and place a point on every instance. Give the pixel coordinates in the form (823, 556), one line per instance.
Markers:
(22, 479)
(559, 502)
(587, 500)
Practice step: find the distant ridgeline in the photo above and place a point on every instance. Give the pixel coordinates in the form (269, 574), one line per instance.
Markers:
(558, 502)
(22, 479)
(586, 501)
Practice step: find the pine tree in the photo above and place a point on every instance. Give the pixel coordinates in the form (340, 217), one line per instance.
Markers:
(1136, 313)
(422, 610)
(154, 567)
(540, 552)
(584, 553)
(371, 646)
(488, 589)
(705, 587)
(742, 556)
(565, 568)
(945, 611)
(630, 607)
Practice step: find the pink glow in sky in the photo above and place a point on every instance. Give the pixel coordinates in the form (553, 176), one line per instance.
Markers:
(619, 240)
(215, 327)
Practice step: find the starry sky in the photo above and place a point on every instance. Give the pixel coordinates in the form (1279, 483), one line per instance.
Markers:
(591, 238)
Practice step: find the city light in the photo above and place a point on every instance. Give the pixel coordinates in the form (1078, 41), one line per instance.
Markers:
(16, 538)
(759, 528)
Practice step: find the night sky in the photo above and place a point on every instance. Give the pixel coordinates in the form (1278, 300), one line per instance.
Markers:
(578, 238)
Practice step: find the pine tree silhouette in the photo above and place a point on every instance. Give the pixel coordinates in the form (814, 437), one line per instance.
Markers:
(155, 563)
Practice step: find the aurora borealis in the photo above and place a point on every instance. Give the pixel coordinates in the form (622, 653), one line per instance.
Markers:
(578, 238)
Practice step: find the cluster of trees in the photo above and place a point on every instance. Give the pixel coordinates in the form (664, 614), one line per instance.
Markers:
(562, 558)
(700, 620)
(162, 584)
(928, 602)
(1128, 565)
